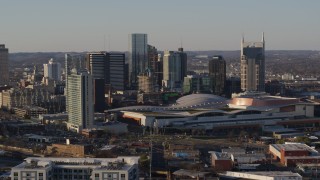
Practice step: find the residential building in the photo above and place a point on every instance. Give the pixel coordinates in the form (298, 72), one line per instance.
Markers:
(253, 65)
(147, 82)
(138, 57)
(37, 168)
(217, 71)
(52, 70)
(24, 97)
(73, 61)
(80, 100)
(4, 66)
(29, 111)
(152, 58)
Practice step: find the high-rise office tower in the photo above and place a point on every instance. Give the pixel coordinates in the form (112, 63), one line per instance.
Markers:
(107, 66)
(4, 66)
(99, 95)
(117, 71)
(159, 71)
(80, 100)
(138, 57)
(97, 64)
(253, 65)
(52, 70)
(172, 76)
(217, 71)
(184, 62)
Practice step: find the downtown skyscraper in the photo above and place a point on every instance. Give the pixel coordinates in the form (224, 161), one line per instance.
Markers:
(107, 66)
(174, 69)
(80, 100)
(138, 57)
(52, 70)
(4, 66)
(217, 73)
(253, 65)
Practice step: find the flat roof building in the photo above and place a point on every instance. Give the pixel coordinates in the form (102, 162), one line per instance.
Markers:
(266, 175)
(34, 168)
(290, 154)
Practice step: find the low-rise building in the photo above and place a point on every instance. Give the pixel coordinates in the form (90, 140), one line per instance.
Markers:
(248, 158)
(34, 168)
(266, 175)
(53, 118)
(29, 111)
(291, 154)
(69, 150)
(221, 161)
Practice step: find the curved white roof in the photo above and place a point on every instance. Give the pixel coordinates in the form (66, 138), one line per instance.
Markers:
(201, 100)
(193, 101)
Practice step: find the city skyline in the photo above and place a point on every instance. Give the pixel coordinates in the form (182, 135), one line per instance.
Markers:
(36, 26)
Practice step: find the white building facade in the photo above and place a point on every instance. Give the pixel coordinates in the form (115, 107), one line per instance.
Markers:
(80, 100)
(120, 168)
(52, 70)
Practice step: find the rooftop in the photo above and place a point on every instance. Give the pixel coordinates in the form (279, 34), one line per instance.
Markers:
(262, 173)
(104, 163)
(293, 147)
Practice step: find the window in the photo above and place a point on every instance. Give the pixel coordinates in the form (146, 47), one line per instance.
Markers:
(40, 174)
(96, 175)
(15, 174)
(123, 175)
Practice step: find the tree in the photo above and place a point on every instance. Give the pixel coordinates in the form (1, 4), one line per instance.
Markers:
(305, 140)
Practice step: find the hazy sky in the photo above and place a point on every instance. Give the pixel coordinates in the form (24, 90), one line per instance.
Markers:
(81, 25)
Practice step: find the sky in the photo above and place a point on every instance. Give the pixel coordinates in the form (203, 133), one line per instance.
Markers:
(95, 25)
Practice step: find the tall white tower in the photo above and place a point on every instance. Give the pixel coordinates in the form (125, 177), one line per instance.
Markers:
(80, 100)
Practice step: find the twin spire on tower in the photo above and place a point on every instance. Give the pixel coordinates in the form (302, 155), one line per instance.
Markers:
(262, 40)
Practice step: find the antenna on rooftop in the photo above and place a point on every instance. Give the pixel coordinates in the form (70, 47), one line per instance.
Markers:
(109, 42)
(104, 42)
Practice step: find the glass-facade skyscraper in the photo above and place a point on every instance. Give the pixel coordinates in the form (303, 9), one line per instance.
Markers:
(4, 67)
(217, 71)
(138, 57)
